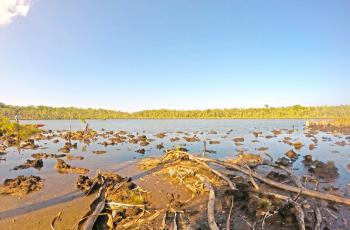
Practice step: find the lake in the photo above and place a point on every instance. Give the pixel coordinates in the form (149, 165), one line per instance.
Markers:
(223, 131)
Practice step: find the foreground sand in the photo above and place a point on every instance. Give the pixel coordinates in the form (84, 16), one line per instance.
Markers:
(78, 204)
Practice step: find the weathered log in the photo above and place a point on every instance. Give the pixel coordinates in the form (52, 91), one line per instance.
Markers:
(97, 207)
(211, 204)
(92, 219)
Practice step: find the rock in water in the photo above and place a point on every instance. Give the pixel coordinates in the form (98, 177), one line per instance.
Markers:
(283, 161)
(21, 185)
(291, 154)
(63, 167)
(142, 151)
(37, 163)
(238, 139)
(324, 170)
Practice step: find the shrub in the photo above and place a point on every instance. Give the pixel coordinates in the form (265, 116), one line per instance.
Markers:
(8, 128)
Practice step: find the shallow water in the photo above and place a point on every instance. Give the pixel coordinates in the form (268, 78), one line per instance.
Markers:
(226, 131)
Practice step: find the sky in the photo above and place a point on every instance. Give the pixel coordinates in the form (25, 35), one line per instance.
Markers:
(177, 54)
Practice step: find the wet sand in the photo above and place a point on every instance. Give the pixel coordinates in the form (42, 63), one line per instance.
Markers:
(61, 196)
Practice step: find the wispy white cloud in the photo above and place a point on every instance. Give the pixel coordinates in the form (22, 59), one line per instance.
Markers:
(9, 9)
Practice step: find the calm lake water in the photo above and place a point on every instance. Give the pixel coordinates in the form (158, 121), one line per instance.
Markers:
(219, 130)
(225, 131)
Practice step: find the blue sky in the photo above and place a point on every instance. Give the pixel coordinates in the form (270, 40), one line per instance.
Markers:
(179, 54)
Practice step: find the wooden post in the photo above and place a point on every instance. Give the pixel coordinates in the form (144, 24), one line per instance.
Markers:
(204, 148)
(86, 130)
(17, 127)
(70, 133)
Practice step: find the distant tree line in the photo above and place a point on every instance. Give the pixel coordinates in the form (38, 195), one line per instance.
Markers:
(297, 111)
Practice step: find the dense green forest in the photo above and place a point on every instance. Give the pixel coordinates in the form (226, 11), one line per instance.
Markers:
(297, 111)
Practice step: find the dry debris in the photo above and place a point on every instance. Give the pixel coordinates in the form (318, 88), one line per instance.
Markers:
(119, 203)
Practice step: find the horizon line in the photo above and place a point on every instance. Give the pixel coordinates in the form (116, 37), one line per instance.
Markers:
(141, 110)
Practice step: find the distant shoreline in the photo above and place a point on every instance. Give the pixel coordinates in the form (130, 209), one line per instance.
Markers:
(93, 119)
(72, 113)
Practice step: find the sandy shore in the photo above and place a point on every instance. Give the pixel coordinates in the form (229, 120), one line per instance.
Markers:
(37, 210)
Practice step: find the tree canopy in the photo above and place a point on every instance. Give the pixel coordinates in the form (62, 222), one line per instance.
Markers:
(297, 111)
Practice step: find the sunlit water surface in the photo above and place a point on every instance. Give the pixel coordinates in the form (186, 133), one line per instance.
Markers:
(203, 129)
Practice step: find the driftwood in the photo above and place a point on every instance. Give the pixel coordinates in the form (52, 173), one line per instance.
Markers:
(186, 222)
(211, 204)
(116, 204)
(345, 223)
(96, 207)
(94, 184)
(330, 213)
(300, 216)
(152, 217)
(92, 219)
(228, 221)
(100, 203)
(164, 220)
(256, 186)
(131, 223)
(219, 174)
(57, 217)
(307, 192)
(268, 155)
(175, 222)
(318, 218)
(298, 188)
